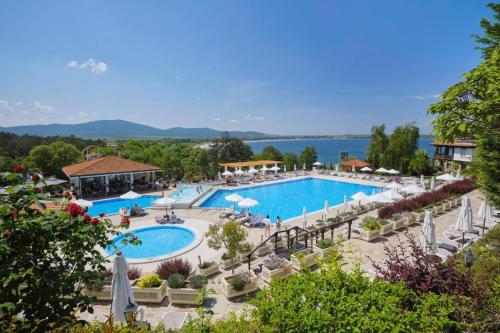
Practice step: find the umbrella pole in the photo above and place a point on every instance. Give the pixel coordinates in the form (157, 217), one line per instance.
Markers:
(484, 222)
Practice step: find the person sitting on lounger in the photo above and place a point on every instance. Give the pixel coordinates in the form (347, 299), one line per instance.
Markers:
(174, 217)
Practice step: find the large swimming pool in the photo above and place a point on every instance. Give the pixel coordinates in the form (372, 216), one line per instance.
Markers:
(287, 199)
(157, 241)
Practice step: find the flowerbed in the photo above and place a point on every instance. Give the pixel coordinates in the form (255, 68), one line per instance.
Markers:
(426, 199)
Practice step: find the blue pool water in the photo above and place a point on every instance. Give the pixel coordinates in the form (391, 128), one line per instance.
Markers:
(185, 193)
(112, 206)
(287, 199)
(156, 242)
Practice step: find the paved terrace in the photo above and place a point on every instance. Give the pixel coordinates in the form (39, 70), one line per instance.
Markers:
(199, 218)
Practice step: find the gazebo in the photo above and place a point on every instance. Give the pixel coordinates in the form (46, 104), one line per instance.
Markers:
(353, 165)
(110, 175)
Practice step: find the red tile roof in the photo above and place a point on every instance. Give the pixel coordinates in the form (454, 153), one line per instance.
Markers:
(356, 163)
(106, 165)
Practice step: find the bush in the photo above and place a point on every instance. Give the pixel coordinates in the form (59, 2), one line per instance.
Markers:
(176, 281)
(134, 273)
(237, 283)
(226, 256)
(149, 281)
(334, 220)
(371, 223)
(396, 217)
(206, 264)
(173, 266)
(324, 243)
(198, 281)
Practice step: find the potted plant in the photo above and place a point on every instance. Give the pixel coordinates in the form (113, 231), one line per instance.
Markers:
(173, 266)
(208, 268)
(398, 221)
(419, 214)
(386, 227)
(370, 228)
(239, 284)
(303, 258)
(149, 288)
(245, 251)
(275, 266)
(323, 247)
(334, 220)
(101, 289)
(228, 261)
(409, 218)
(230, 235)
(181, 291)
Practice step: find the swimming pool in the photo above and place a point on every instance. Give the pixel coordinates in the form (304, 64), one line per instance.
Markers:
(287, 199)
(112, 206)
(157, 242)
(186, 193)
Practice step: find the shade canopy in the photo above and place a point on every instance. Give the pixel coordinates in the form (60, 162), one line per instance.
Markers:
(393, 185)
(318, 163)
(428, 235)
(83, 203)
(446, 177)
(264, 169)
(227, 173)
(247, 203)
(121, 290)
(412, 189)
(393, 172)
(50, 182)
(464, 221)
(275, 168)
(252, 170)
(392, 195)
(380, 198)
(382, 170)
(163, 202)
(235, 197)
(239, 172)
(130, 195)
(359, 196)
(366, 169)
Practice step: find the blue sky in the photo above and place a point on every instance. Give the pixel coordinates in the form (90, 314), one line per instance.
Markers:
(284, 67)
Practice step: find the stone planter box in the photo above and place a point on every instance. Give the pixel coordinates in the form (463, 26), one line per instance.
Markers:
(398, 224)
(419, 217)
(437, 209)
(263, 250)
(183, 296)
(308, 258)
(284, 271)
(457, 202)
(408, 220)
(150, 295)
(103, 294)
(368, 235)
(244, 257)
(387, 228)
(226, 264)
(322, 252)
(209, 270)
(229, 290)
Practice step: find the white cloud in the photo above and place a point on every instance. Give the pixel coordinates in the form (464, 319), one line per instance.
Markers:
(417, 97)
(422, 97)
(91, 63)
(44, 108)
(258, 118)
(5, 105)
(83, 115)
(234, 121)
(250, 117)
(217, 119)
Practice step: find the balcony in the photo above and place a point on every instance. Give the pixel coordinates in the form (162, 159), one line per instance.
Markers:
(443, 157)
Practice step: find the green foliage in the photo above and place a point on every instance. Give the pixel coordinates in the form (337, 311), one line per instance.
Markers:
(289, 160)
(491, 40)
(324, 243)
(371, 223)
(376, 148)
(206, 264)
(269, 153)
(176, 281)
(421, 164)
(487, 166)
(308, 156)
(403, 144)
(231, 235)
(149, 281)
(49, 159)
(198, 281)
(45, 255)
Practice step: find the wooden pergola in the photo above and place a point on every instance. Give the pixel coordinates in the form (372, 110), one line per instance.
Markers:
(239, 165)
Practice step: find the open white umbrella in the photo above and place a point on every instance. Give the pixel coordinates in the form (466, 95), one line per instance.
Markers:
(412, 189)
(252, 170)
(380, 198)
(382, 170)
(392, 195)
(275, 169)
(393, 172)
(247, 203)
(239, 172)
(163, 202)
(234, 198)
(359, 196)
(121, 291)
(428, 236)
(366, 169)
(317, 163)
(446, 177)
(227, 173)
(304, 215)
(464, 221)
(264, 169)
(325, 210)
(433, 184)
(393, 186)
(83, 203)
(130, 195)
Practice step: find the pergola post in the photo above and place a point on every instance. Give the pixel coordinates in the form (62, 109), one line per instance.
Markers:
(106, 184)
(131, 181)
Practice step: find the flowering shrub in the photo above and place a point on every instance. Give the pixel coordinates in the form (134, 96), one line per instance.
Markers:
(173, 266)
(240, 280)
(149, 281)
(426, 199)
(273, 262)
(371, 223)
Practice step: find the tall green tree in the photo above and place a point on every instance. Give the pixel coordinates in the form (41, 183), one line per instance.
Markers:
(269, 153)
(421, 164)
(376, 148)
(403, 143)
(308, 156)
(50, 159)
(228, 149)
(470, 109)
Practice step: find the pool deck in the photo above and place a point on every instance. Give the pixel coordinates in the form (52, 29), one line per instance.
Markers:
(200, 218)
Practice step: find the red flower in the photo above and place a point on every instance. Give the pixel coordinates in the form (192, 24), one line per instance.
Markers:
(74, 210)
(101, 215)
(125, 220)
(35, 177)
(95, 220)
(18, 168)
(67, 195)
(87, 218)
(14, 213)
